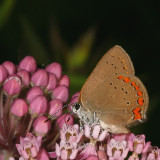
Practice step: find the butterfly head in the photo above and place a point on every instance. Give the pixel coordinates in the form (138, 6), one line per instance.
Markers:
(76, 107)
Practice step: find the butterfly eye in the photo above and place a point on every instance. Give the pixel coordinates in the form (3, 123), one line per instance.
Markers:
(77, 106)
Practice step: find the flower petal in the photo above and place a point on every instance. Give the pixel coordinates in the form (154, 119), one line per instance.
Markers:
(103, 135)
(96, 131)
(74, 154)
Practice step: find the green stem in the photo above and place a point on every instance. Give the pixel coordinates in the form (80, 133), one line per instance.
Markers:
(30, 124)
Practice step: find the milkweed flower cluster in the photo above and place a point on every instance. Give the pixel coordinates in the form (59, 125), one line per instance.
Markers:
(29, 96)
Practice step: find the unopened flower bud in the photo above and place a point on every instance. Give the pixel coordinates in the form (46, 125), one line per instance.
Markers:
(40, 78)
(28, 63)
(64, 81)
(43, 155)
(34, 92)
(77, 94)
(55, 68)
(3, 73)
(38, 106)
(61, 92)
(55, 106)
(65, 119)
(12, 85)
(10, 67)
(41, 126)
(19, 107)
(52, 82)
(73, 100)
(92, 157)
(24, 77)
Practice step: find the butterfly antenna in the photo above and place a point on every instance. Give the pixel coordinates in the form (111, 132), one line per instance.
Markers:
(58, 111)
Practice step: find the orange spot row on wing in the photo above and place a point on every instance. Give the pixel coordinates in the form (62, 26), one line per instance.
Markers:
(139, 93)
(126, 79)
(136, 88)
(120, 77)
(140, 101)
(137, 113)
(133, 83)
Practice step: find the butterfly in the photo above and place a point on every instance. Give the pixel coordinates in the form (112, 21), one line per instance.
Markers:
(113, 96)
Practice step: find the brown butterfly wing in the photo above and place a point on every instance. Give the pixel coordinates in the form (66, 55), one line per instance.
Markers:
(115, 61)
(122, 102)
(115, 101)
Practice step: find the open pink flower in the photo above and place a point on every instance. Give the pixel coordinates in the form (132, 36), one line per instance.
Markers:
(71, 134)
(29, 146)
(138, 144)
(96, 133)
(88, 150)
(66, 150)
(70, 137)
(152, 154)
(117, 150)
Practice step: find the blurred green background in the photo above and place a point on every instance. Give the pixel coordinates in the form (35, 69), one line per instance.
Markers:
(77, 34)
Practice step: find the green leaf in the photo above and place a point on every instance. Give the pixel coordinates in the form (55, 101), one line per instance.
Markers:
(5, 10)
(80, 53)
(76, 82)
(34, 44)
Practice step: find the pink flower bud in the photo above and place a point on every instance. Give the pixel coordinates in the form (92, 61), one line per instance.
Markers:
(12, 85)
(73, 100)
(64, 81)
(77, 94)
(43, 155)
(24, 77)
(19, 107)
(28, 63)
(54, 106)
(92, 157)
(34, 92)
(55, 68)
(38, 106)
(10, 67)
(65, 119)
(52, 82)
(61, 92)
(3, 73)
(40, 78)
(2, 155)
(40, 126)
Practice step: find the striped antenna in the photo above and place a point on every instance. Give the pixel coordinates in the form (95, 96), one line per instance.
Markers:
(66, 105)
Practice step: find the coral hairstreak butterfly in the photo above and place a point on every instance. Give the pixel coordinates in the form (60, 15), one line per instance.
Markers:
(112, 95)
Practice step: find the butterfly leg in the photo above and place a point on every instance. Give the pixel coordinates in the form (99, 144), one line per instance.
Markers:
(81, 126)
(95, 119)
